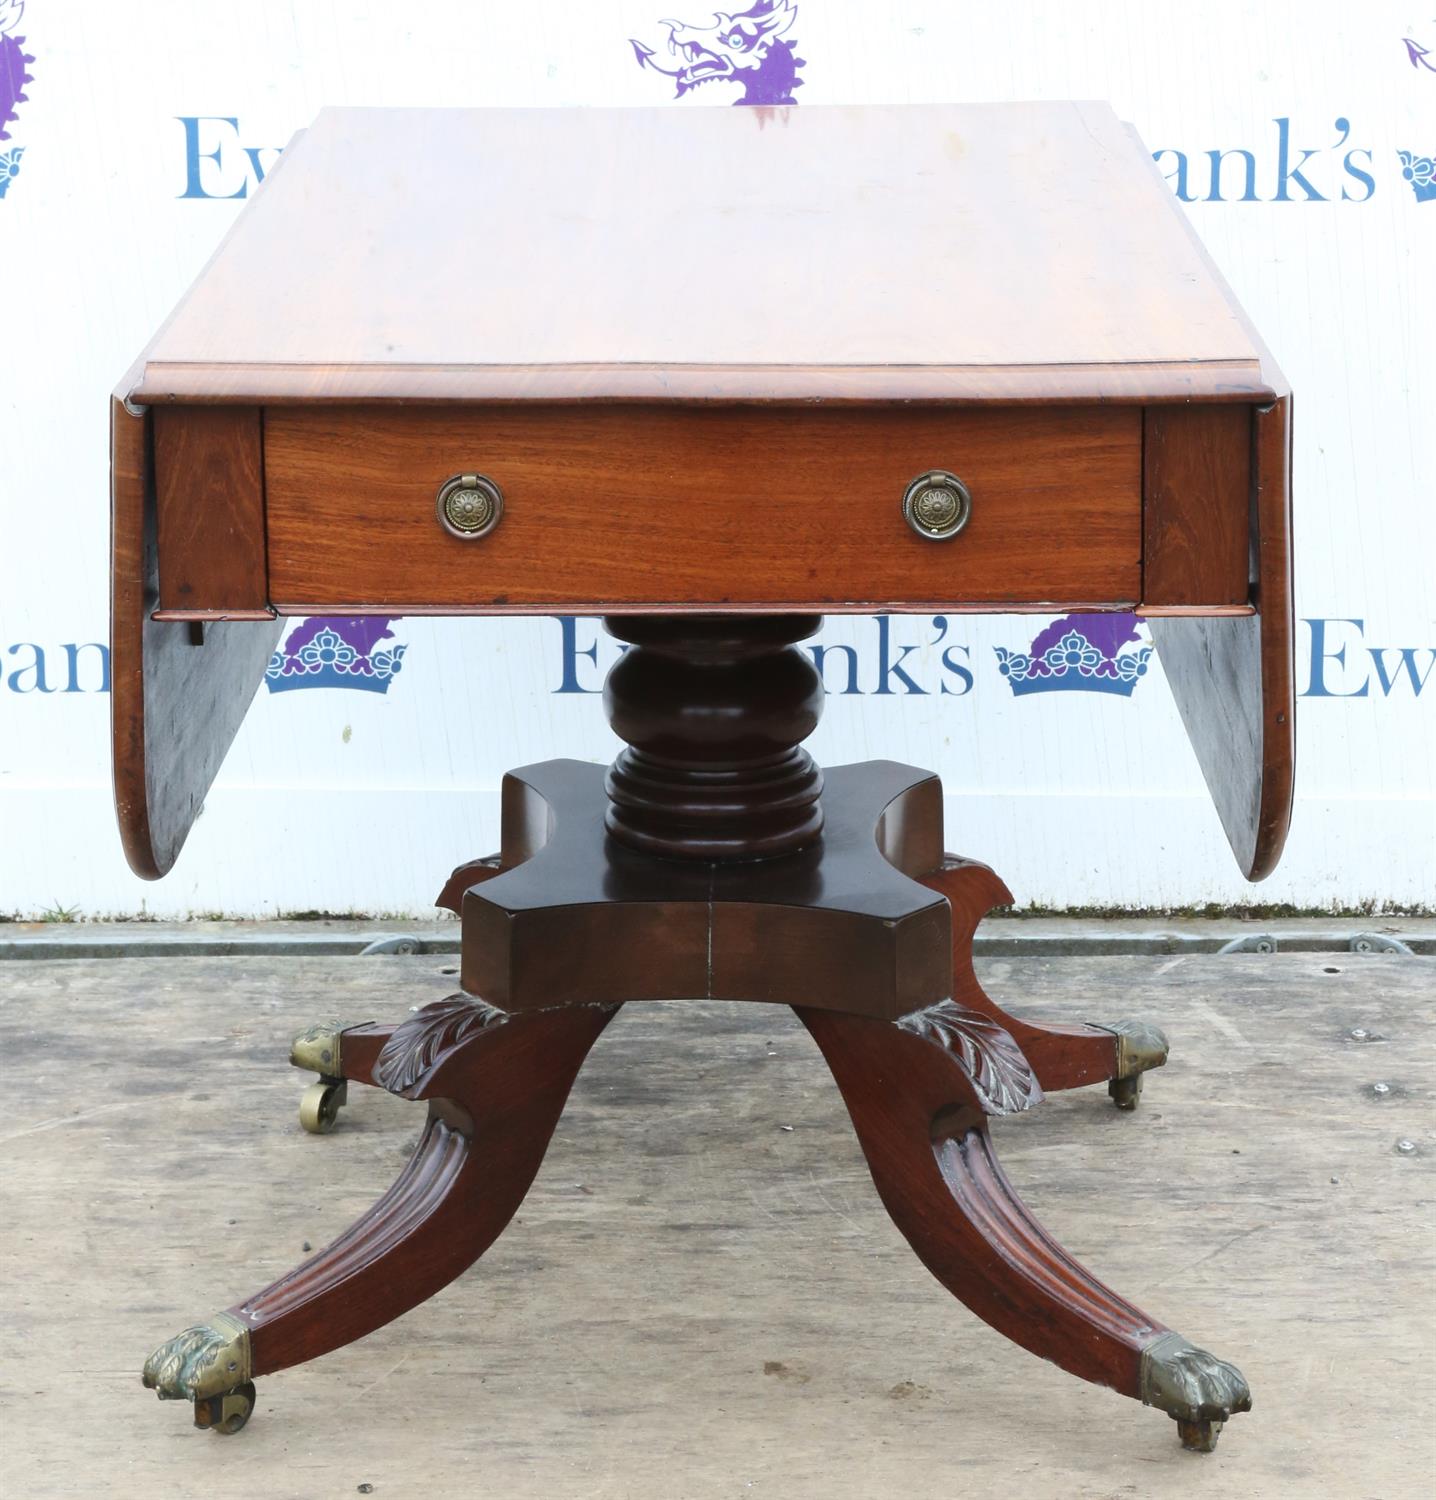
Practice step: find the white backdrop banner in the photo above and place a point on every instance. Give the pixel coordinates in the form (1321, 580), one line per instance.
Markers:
(1299, 139)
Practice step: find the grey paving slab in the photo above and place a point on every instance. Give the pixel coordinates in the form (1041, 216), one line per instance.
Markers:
(702, 1296)
(1000, 935)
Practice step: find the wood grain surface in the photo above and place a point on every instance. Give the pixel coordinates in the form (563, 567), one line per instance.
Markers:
(921, 251)
(495, 1097)
(921, 1126)
(713, 710)
(209, 484)
(611, 506)
(1232, 678)
(578, 918)
(1196, 506)
(176, 698)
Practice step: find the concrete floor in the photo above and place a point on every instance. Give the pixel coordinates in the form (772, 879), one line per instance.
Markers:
(702, 1296)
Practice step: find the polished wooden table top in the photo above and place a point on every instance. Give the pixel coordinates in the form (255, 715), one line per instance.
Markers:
(697, 361)
(996, 251)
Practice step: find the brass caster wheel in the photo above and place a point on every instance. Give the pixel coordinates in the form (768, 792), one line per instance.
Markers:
(1125, 1092)
(320, 1104)
(1199, 1437)
(1140, 1046)
(227, 1412)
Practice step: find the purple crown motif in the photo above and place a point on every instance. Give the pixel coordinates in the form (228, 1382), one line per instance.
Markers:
(1078, 654)
(745, 48)
(324, 652)
(1420, 172)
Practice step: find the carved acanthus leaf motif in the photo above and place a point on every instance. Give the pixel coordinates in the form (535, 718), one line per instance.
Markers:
(1002, 1076)
(417, 1046)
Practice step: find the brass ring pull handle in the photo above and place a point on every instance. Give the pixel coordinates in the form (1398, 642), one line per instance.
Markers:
(937, 505)
(469, 506)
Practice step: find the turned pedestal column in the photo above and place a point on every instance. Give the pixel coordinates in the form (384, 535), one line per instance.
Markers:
(713, 710)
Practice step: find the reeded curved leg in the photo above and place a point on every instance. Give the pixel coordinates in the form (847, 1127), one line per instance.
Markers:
(919, 1091)
(1063, 1056)
(496, 1085)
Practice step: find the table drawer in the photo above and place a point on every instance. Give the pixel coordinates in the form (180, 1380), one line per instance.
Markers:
(616, 507)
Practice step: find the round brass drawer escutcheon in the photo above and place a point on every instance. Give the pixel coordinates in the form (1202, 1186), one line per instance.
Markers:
(469, 506)
(937, 505)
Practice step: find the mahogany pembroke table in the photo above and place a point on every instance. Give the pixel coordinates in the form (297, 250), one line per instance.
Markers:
(708, 373)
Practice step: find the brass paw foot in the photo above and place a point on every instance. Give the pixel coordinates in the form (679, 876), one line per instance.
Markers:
(318, 1049)
(1196, 1388)
(208, 1364)
(1140, 1047)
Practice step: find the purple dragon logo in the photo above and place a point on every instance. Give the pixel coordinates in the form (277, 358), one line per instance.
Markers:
(1418, 55)
(1078, 654)
(14, 61)
(341, 653)
(746, 48)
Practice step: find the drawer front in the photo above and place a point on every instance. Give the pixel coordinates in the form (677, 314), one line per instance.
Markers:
(616, 507)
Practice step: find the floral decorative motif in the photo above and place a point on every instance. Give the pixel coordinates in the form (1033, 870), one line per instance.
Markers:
(469, 510)
(9, 167)
(1074, 661)
(1002, 1076)
(421, 1043)
(1420, 172)
(936, 507)
(326, 650)
(1073, 650)
(336, 653)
